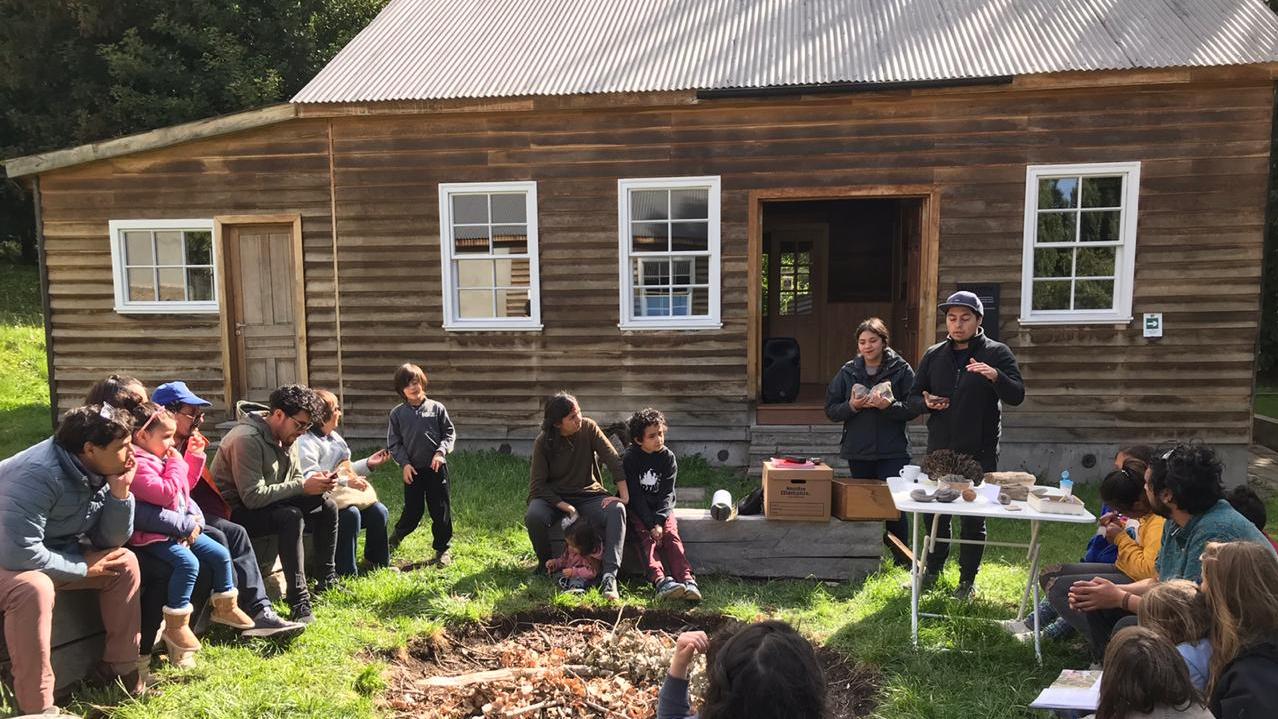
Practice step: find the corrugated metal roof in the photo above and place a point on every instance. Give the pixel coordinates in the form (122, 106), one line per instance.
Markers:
(435, 49)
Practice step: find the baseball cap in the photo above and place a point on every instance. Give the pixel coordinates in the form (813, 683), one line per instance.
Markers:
(171, 392)
(963, 298)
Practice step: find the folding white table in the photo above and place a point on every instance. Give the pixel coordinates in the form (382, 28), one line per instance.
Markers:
(981, 507)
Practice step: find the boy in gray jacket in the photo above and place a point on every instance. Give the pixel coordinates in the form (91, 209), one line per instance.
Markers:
(419, 437)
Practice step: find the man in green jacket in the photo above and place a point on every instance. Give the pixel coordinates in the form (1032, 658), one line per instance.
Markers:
(268, 496)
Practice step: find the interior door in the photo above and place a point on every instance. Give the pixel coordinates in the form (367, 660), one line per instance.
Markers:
(264, 313)
(796, 255)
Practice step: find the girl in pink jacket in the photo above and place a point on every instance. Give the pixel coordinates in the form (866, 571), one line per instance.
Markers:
(583, 554)
(164, 478)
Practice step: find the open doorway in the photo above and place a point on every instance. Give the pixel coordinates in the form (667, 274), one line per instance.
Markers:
(824, 266)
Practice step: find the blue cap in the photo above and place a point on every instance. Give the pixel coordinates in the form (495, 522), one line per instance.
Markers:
(173, 392)
(966, 299)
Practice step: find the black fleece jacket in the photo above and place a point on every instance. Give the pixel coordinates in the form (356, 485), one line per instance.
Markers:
(872, 434)
(972, 424)
(1248, 687)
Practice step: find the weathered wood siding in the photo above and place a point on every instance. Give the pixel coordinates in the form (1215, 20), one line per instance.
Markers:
(1202, 137)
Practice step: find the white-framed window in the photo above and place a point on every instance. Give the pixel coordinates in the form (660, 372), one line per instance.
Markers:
(669, 260)
(163, 266)
(1080, 243)
(488, 250)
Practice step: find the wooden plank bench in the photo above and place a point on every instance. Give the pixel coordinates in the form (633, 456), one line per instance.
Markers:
(77, 639)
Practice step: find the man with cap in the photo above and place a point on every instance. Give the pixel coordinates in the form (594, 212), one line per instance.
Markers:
(188, 410)
(962, 383)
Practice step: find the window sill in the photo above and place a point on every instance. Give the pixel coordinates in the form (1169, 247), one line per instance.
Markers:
(708, 324)
(1074, 320)
(167, 309)
(454, 327)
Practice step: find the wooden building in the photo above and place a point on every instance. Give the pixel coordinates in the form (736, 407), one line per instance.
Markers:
(627, 203)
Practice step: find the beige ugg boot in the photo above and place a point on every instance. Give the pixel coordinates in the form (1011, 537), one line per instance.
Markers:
(179, 638)
(225, 610)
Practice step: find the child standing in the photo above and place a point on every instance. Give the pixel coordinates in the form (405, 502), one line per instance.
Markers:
(420, 437)
(651, 470)
(163, 479)
(582, 557)
(1178, 611)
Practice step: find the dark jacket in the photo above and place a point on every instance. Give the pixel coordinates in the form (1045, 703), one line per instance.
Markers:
(1248, 687)
(972, 423)
(872, 434)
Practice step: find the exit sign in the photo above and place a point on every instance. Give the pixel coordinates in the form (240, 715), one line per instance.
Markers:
(1154, 324)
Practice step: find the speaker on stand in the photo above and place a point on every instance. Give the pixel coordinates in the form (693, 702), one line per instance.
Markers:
(780, 370)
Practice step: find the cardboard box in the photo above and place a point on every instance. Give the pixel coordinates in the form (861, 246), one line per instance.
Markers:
(863, 499)
(798, 493)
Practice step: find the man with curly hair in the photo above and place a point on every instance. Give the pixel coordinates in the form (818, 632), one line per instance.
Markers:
(267, 494)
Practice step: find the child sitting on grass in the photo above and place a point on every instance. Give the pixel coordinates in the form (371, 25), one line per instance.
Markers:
(582, 557)
(1145, 678)
(651, 471)
(1178, 612)
(764, 671)
(164, 478)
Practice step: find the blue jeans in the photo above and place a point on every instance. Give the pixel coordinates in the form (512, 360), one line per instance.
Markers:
(186, 561)
(373, 521)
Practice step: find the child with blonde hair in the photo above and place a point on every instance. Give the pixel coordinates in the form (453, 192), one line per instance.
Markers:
(1178, 611)
(1240, 580)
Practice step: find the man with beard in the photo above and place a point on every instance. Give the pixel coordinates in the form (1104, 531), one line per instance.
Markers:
(1184, 486)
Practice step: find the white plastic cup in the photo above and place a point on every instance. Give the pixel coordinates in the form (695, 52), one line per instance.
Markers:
(910, 472)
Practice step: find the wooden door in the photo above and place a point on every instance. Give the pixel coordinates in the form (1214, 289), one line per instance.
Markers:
(796, 308)
(265, 319)
(906, 306)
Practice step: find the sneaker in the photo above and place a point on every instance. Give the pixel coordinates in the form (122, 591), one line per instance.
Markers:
(964, 591)
(608, 587)
(690, 590)
(444, 558)
(1015, 626)
(300, 612)
(668, 588)
(269, 624)
(327, 583)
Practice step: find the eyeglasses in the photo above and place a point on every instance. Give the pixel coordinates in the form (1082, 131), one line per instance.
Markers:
(301, 426)
(196, 418)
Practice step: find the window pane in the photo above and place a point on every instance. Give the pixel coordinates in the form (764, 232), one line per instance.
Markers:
(510, 209)
(1056, 226)
(199, 284)
(470, 209)
(510, 239)
(513, 303)
(199, 248)
(689, 204)
(681, 272)
(652, 303)
(1096, 262)
(651, 273)
(474, 304)
(138, 250)
(168, 248)
(701, 271)
(649, 237)
(1103, 191)
(648, 205)
(787, 283)
(473, 240)
(474, 273)
(1053, 262)
(142, 285)
(1094, 295)
(172, 284)
(1051, 295)
(689, 236)
(700, 301)
(1057, 193)
(1101, 226)
(681, 303)
(512, 273)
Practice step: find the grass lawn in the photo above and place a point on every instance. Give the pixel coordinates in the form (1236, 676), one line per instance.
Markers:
(1266, 402)
(964, 670)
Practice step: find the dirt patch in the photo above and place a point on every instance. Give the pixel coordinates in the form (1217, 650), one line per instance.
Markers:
(583, 663)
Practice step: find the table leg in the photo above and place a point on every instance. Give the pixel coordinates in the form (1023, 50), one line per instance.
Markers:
(916, 570)
(1033, 572)
(930, 545)
(1038, 631)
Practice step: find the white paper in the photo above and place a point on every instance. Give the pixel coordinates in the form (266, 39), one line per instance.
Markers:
(1071, 691)
(989, 490)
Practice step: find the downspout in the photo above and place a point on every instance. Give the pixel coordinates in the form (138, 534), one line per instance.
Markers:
(337, 292)
(46, 305)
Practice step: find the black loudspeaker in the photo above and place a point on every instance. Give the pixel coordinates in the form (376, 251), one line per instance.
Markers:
(780, 370)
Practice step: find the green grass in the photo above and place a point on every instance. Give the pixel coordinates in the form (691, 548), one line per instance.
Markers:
(965, 669)
(1266, 401)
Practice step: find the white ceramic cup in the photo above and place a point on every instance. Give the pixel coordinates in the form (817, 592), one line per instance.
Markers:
(910, 472)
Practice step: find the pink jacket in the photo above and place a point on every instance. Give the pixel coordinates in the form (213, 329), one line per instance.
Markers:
(165, 483)
(573, 564)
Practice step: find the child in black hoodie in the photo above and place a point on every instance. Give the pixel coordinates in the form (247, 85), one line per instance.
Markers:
(651, 470)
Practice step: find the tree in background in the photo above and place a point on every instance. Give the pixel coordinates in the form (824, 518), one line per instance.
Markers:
(77, 71)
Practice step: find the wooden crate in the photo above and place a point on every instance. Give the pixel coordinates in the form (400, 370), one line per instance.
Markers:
(863, 500)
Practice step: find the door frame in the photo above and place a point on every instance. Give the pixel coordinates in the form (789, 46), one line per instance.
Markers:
(220, 225)
(928, 260)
